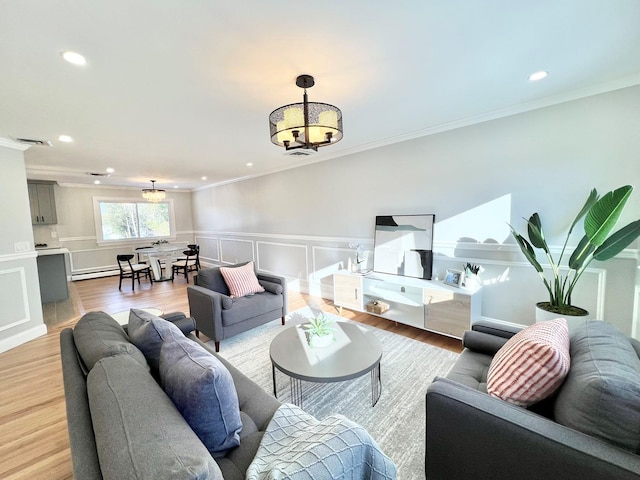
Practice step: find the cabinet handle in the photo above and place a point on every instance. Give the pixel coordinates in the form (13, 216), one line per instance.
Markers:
(356, 294)
(42, 218)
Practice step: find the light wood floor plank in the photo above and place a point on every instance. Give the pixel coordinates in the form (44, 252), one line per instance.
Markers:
(34, 442)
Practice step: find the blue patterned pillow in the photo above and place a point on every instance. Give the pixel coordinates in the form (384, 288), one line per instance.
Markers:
(148, 332)
(203, 391)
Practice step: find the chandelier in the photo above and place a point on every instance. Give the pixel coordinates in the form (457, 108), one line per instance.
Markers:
(152, 194)
(306, 125)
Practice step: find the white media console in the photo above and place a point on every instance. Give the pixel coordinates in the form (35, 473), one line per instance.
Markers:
(427, 304)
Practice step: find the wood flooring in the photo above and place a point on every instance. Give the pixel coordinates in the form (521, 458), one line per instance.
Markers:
(34, 442)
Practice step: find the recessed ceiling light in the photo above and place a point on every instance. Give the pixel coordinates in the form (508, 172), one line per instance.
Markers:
(73, 57)
(249, 164)
(203, 178)
(110, 170)
(534, 77)
(65, 138)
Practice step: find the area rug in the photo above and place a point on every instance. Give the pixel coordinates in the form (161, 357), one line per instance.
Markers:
(397, 422)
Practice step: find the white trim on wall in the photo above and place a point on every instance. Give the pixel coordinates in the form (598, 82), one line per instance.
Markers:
(22, 337)
(25, 297)
(221, 241)
(18, 256)
(305, 274)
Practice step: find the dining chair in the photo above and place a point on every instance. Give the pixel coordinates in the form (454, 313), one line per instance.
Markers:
(132, 271)
(184, 265)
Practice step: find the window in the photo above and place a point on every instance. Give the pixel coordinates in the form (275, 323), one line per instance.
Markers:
(124, 219)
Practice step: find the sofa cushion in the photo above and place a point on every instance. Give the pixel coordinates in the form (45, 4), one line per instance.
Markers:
(204, 392)
(250, 307)
(532, 364)
(139, 432)
(242, 281)
(212, 279)
(147, 332)
(98, 335)
(601, 395)
(471, 369)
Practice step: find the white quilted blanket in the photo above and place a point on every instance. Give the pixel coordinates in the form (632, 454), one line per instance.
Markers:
(297, 446)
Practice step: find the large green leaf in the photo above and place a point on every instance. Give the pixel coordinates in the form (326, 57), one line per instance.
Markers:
(591, 201)
(527, 250)
(536, 235)
(617, 242)
(581, 253)
(602, 217)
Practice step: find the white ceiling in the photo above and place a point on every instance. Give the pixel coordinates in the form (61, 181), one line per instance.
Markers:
(176, 90)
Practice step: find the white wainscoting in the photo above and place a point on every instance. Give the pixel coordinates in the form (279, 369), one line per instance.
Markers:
(288, 259)
(234, 250)
(510, 285)
(13, 285)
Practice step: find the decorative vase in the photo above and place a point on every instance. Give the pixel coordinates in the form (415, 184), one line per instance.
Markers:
(316, 341)
(471, 282)
(574, 321)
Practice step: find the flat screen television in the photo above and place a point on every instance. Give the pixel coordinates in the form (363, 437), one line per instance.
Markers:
(403, 245)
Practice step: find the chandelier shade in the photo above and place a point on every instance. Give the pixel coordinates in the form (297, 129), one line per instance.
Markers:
(153, 194)
(307, 125)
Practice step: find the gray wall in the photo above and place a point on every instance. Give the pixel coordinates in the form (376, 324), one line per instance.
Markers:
(475, 179)
(21, 312)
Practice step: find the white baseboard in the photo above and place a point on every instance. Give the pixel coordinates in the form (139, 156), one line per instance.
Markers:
(87, 276)
(22, 337)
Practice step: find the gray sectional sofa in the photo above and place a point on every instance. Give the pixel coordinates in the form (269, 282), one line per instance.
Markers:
(588, 430)
(123, 425)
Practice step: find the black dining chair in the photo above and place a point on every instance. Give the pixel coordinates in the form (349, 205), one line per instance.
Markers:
(132, 271)
(182, 266)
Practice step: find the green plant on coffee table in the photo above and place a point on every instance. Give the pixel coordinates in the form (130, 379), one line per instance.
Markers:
(600, 217)
(320, 326)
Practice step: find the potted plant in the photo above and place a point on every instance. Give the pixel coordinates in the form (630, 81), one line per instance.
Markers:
(470, 275)
(600, 217)
(320, 331)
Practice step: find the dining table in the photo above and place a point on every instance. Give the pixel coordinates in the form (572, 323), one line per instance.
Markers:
(159, 255)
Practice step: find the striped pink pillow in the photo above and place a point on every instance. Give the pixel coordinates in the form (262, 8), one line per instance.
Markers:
(241, 280)
(532, 364)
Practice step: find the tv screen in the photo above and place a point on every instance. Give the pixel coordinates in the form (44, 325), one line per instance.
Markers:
(403, 245)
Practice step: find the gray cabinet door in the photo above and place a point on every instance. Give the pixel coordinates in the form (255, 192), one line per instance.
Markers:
(43, 204)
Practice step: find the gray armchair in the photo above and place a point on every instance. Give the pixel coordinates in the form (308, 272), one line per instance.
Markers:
(219, 316)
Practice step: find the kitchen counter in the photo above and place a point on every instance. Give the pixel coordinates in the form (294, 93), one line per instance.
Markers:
(51, 251)
(52, 273)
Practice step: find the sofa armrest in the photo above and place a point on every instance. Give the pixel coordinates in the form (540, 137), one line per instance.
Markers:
(483, 342)
(205, 306)
(84, 454)
(497, 329)
(180, 320)
(472, 435)
(279, 280)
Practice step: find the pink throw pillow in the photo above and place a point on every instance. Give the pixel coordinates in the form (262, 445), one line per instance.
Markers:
(241, 280)
(532, 364)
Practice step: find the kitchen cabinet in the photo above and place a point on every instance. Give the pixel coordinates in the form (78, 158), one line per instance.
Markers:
(43, 203)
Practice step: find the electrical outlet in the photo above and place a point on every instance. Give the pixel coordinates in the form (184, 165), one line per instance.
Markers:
(20, 247)
(54, 234)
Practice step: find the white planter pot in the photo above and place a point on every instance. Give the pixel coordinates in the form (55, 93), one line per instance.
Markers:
(320, 342)
(573, 321)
